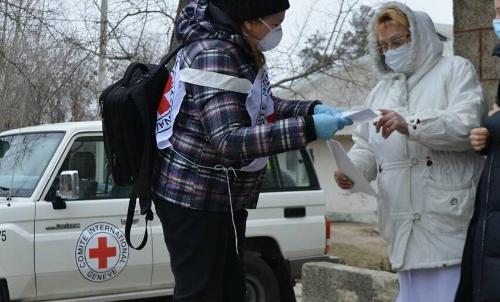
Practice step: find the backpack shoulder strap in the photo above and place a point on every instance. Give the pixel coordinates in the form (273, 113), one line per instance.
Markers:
(130, 219)
(168, 57)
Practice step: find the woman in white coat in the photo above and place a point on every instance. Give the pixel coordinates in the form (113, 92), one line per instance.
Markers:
(420, 152)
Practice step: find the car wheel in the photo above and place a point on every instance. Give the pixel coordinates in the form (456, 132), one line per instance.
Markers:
(4, 291)
(261, 283)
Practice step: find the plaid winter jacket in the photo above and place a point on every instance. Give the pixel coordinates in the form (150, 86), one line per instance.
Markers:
(213, 126)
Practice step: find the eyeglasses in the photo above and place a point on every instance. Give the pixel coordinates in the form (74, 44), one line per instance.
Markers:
(395, 42)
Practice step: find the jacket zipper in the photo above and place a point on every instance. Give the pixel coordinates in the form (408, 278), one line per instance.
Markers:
(484, 212)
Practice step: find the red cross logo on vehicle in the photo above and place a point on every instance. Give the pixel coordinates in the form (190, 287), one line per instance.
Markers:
(102, 252)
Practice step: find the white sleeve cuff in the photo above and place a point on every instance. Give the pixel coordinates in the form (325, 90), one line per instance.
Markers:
(413, 125)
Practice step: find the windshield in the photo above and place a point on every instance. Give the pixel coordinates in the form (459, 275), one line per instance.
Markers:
(23, 159)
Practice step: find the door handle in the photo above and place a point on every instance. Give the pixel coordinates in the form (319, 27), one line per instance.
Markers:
(134, 221)
(295, 212)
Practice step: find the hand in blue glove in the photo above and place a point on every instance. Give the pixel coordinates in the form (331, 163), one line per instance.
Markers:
(318, 109)
(326, 125)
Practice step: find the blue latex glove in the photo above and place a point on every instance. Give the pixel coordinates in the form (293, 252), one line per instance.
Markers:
(326, 109)
(326, 125)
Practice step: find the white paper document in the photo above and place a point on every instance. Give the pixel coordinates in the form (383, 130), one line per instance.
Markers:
(344, 164)
(360, 115)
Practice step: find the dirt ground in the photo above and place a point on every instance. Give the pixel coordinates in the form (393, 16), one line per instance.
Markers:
(359, 245)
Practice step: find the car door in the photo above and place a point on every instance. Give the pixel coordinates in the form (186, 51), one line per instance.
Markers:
(163, 277)
(81, 250)
(291, 196)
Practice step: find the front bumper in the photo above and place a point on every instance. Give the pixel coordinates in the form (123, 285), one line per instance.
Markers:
(296, 263)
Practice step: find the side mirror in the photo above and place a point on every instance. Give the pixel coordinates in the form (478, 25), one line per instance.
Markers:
(69, 187)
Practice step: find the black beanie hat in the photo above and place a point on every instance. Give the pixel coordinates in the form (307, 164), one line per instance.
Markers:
(242, 10)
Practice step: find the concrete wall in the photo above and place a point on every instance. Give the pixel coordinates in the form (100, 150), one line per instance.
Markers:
(328, 282)
(475, 39)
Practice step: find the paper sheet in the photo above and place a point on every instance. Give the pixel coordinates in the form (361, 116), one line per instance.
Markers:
(360, 115)
(345, 165)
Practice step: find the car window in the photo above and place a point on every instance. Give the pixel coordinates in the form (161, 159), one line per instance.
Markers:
(23, 160)
(289, 171)
(87, 156)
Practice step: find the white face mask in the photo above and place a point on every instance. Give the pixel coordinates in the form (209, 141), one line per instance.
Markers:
(496, 27)
(397, 59)
(272, 39)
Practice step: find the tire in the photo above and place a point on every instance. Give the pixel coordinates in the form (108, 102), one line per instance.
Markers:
(4, 291)
(260, 281)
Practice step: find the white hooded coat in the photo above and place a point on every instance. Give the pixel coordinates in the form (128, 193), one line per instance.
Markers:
(427, 180)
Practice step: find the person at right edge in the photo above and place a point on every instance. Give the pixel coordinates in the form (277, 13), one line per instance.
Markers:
(419, 151)
(480, 275)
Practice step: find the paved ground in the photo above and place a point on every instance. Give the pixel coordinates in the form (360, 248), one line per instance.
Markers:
(298, 295)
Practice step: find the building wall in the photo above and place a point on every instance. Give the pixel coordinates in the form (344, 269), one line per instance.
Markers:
(475, 40)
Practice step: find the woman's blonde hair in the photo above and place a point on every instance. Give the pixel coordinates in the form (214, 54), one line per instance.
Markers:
(391, 15)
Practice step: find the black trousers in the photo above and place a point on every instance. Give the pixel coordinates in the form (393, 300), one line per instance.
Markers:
(203, 254)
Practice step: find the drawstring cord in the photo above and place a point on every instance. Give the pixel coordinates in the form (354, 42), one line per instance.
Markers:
(226, 171)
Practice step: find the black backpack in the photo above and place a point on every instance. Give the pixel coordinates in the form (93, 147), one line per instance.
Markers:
(128, 109)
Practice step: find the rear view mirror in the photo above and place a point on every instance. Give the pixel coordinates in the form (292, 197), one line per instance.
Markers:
(69, 188)
(4, 146)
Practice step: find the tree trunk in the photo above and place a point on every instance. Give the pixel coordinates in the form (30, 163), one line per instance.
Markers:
(173, 40)
(12, 53)
(103, 42)
(4, 29)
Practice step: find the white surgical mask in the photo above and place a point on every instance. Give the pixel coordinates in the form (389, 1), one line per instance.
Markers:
(397, 59)
(496, 27)
(272, 39)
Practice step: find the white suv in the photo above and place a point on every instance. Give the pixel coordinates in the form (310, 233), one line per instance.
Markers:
(53, 248)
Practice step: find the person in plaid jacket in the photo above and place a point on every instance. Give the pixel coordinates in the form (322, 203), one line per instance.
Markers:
(228, 122)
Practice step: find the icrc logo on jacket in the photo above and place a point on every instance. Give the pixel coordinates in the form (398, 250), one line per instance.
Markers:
(101, 252)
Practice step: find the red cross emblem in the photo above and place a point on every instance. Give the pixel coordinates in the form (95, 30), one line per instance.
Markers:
(164, 105)
(102, 252)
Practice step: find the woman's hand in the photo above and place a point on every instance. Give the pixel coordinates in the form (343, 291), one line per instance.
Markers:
(391, 121)
(326, 125)
(479, 138)
(343, 181)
